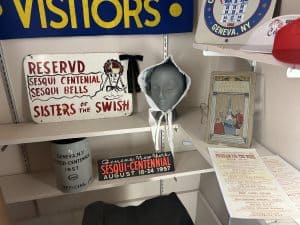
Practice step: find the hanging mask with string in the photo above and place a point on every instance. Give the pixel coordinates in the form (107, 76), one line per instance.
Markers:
(164, 86)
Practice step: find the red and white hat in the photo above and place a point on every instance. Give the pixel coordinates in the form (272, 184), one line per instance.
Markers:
(262, 38)
(287, 43)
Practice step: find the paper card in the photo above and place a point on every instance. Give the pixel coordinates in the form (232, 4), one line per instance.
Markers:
(63, 87)
(249, 189)
(287, 176)
(231, 108)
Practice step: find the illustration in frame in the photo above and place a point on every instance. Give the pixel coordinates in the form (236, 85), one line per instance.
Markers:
(231, 107)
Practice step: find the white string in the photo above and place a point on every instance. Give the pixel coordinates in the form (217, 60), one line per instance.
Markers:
(156, 127)
(170, 133)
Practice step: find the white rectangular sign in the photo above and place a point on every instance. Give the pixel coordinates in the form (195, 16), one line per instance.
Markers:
(63, 87)
(231, 21)
(249, 189)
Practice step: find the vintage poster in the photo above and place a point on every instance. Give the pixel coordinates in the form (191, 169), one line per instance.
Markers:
(231, 108)
(249, 189)
(63, 87)
(231, 21)
(287, 176)
(35, 18)
(135, 165)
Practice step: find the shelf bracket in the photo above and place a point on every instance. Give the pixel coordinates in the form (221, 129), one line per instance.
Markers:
(253, 65)
(12, 103)
(3, 148)
(293, 72)
(211, 53)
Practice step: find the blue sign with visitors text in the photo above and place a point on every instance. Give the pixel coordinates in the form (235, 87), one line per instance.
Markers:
(46, 18)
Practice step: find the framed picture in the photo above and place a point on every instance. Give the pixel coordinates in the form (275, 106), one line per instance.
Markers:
(231, 108)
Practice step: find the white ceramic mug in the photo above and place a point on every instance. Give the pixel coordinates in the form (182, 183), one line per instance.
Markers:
(72, 163)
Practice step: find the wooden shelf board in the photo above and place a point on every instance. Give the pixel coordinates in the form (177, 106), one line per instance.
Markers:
(236, 52)
(26, 187)
(31, 132)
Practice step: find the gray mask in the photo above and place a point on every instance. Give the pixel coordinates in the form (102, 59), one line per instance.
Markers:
(164, 86)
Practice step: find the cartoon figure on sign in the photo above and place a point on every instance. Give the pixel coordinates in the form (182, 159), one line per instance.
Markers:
(113, 83)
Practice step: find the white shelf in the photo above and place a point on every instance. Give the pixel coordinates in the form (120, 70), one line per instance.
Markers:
(31, 132)
(205, 215)
(190, 122)
(26, 187)
(236, 52)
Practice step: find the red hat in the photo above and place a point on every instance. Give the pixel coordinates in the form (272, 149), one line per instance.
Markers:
(287, 43)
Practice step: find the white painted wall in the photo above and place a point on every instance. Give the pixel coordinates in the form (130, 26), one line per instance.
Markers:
(278, 127)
